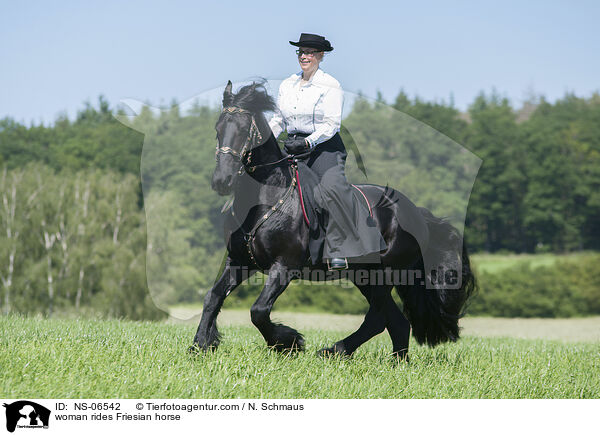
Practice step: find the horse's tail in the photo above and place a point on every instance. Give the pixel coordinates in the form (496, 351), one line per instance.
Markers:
(434, 310)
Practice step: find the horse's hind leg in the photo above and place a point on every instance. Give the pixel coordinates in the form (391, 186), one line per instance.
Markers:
(397, 324)
(383, 313)
(277, 336)
(207, 335)
(373, 325)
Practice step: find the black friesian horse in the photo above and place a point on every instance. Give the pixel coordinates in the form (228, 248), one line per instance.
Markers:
(265, 231)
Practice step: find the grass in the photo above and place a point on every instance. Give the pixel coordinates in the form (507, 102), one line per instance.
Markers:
(120, 359)
(571, 329)
(493, 263)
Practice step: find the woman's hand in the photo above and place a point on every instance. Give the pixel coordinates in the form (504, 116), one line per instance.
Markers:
(296, 146)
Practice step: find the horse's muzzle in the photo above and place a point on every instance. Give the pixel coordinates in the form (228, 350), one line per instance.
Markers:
(223, 186)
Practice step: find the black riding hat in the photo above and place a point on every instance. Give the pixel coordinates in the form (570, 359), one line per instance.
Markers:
(313, 41)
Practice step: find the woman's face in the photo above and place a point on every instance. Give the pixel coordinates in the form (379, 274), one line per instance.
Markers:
(309, 59)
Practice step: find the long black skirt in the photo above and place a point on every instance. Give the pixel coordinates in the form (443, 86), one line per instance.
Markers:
(349, 229)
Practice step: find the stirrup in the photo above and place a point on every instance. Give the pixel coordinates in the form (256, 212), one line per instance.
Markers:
(337, 264)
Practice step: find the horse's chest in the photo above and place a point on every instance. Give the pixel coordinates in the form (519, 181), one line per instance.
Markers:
(275, 237)
(242, 242)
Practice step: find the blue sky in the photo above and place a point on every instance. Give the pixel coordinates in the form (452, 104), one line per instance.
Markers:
(57, 55)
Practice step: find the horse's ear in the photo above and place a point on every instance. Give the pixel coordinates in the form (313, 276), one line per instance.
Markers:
(227, 95)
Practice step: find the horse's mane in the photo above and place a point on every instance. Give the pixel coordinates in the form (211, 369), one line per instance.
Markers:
(254, 97)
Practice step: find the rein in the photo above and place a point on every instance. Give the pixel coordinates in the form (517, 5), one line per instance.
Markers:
(289, 158)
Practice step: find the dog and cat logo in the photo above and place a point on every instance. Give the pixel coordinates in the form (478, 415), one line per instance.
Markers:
(26, 414)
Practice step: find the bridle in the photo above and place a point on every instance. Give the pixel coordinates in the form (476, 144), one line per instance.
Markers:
(252, 139)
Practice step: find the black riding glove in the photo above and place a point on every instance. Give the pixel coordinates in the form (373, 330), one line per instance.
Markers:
(296, 146)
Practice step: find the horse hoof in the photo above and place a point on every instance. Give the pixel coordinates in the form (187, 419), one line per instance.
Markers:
(296, 346)
(285, 339)
(401, 357)
(326, 352)
(196, 350)
(338, 349)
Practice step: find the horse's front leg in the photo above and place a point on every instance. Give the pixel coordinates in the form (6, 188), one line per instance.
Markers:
(207, 335)
(277, 336)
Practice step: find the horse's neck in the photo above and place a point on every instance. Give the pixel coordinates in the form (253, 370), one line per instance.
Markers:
(266, 184)
(268, 151)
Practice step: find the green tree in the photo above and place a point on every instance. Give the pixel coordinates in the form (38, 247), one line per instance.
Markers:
(494, 218)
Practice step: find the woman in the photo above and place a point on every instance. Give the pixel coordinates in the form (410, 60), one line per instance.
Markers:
(310, 108)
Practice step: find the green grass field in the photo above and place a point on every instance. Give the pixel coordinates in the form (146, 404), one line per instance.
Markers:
(493, 263)
(116, 359)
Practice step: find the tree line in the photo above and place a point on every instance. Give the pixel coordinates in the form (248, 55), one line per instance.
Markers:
(74, 242)
(538, 188)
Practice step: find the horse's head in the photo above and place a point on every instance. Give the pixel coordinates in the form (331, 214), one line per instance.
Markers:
(240, 128)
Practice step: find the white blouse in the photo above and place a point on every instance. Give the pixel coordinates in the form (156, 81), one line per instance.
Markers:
(314, 107)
